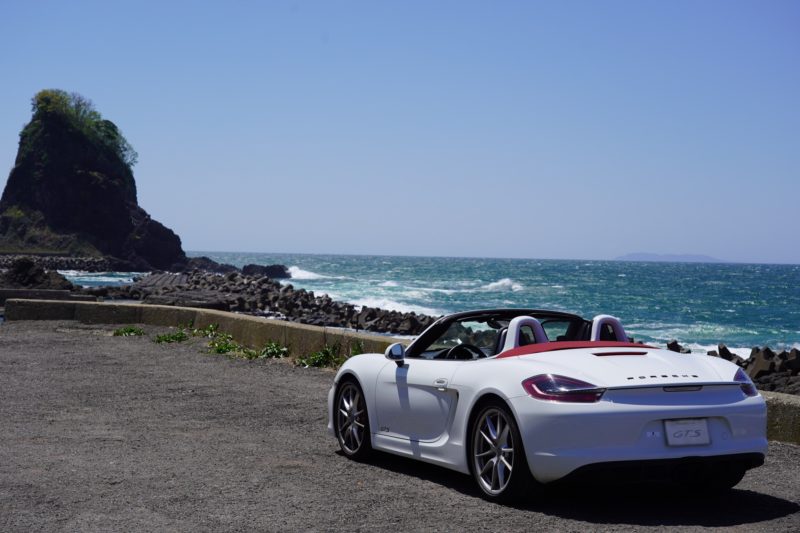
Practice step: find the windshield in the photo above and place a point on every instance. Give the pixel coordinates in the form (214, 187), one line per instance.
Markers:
(487, 333)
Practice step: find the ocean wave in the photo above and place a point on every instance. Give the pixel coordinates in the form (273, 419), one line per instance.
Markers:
(73, 273)
(441, 291)
(503, 285)
(415, 293)
(92, 279)
(388, 284)
(742, 352)
(300, 274)
(392, 305)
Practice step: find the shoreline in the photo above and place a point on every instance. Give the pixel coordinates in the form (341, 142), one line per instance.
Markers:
(260, 295)
(383, 297)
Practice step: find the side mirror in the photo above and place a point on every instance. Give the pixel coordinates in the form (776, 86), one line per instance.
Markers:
(396, 352)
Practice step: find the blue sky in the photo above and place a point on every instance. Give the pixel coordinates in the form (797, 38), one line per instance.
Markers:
(499, 129)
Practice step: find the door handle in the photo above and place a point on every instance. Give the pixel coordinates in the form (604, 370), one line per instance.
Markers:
(440, 384)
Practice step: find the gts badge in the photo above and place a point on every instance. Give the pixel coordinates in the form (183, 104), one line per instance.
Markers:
(385, 429)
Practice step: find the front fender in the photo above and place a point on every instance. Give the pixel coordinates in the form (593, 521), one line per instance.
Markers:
(364, 369)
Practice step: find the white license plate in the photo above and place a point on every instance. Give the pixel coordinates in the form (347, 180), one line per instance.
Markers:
(687, 432)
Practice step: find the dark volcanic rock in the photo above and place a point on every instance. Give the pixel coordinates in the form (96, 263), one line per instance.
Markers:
(262, 296)
(675, 347)
(270, 271)
(792, 363)
(89, 264)
(24, 273)
(771, 372)
(728, 355)
(725, 353)
(761, 363)
(72, 190)
(209, 265)
(202, 299)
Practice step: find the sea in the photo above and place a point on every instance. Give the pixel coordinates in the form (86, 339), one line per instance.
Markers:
(698, 304)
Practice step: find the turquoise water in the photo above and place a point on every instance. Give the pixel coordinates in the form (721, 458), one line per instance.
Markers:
(743, 305)
(101, 279)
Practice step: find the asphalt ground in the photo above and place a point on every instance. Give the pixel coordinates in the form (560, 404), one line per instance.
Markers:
(102, 433)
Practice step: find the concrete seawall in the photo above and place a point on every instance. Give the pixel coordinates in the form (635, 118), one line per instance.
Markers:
(783, 416)
(251, 331)
(43, 294)
(783, 420)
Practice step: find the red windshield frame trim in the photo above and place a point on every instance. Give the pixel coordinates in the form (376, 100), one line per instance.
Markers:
(555, 346)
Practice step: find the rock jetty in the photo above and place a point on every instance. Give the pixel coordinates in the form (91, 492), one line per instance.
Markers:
(777, 372)
(263, 296)
(23, 273)
(60, 262)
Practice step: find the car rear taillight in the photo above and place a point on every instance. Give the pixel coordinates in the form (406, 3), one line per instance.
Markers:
(745, 383)
(562, 389)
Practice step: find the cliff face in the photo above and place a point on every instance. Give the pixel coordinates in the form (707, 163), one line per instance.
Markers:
(72, 191)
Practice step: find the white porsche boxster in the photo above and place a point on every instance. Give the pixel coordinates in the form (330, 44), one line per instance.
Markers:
(520, 398)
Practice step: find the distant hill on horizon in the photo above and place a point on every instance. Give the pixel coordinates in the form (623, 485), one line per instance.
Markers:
(669, 258)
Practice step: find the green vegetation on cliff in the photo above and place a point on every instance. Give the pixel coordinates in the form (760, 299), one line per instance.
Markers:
(72, 190)
(80, 113)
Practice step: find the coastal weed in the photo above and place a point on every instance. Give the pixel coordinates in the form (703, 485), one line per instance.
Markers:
(128, 331)
(274, 350)
(209, 331)
(175, 336)
(329, 356)
(223, 344)
(356, 347)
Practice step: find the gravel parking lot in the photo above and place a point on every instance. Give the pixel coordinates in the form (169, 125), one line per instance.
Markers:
(102, 433)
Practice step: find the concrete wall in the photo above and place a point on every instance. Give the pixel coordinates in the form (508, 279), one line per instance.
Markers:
(783, 410)
(783, 416)
(248, 330)
(43, 294)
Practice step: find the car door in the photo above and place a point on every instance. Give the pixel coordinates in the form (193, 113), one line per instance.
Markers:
(414, 401)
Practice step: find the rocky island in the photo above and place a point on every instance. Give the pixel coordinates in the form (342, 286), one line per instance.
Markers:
(71, 192)
(70, 203)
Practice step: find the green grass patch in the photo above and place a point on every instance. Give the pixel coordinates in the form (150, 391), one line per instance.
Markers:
(169, 338)
(128, 331)
(356, 347)
(274, 350)
(221, 343)
(209, 331)
(329, 356)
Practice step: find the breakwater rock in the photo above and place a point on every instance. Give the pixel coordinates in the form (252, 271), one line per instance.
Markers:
(262, 296)
(24, 273)
(60, 262)
(209, 265)
(770, 371)
(270, 271)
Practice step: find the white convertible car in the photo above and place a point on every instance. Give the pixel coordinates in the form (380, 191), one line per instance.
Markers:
(519, 398)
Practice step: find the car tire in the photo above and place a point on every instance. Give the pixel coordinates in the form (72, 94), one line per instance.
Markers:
(497, 457)
(351, 421)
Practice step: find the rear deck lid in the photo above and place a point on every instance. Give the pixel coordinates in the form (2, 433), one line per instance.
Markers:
(616, 364)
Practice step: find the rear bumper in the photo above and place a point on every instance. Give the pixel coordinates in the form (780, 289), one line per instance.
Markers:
(662, 470)
(561, 438)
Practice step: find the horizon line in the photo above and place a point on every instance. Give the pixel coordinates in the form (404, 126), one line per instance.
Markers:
(613, 260)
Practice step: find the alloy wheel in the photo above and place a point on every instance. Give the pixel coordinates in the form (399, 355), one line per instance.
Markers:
(351, 419)
(493, 451)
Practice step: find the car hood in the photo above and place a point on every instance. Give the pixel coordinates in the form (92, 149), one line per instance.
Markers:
(630, 367)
